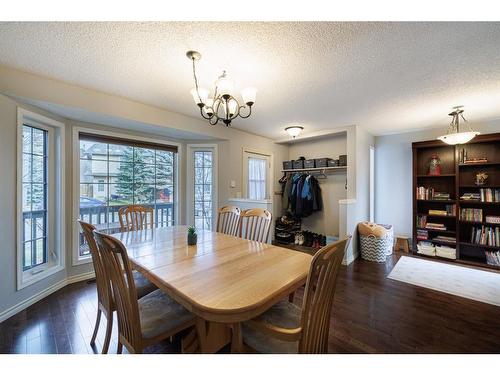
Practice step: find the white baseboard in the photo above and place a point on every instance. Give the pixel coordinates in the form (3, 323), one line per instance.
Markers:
(6, 314)
(80, 277)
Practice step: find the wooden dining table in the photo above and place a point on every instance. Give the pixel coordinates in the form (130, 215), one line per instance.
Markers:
(224, 280)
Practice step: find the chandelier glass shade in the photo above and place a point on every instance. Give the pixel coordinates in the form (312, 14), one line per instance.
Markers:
(222, 105)
(294, 131)
(454, 136)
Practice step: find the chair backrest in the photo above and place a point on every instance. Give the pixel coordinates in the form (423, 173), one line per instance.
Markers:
(104, 294)
(119, 270)
(255, 224)
(318, 297)
(135, 217)
(228, 219)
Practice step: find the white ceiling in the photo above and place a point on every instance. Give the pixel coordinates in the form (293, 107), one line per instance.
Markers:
(386, 77)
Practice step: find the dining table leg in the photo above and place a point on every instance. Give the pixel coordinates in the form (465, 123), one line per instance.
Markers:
(206, 337)
(236, 338)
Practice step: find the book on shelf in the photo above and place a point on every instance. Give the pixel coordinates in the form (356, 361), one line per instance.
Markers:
(485, 235)
(493, 258)
(489, 195)
(424, 193)
(450, 210)
(422, 234)
(438, 212)
(492, 219)
(475, 160)
(448, 239)
(439, 195)
(421, 221)
(471, 197)
(435, 226)
(471, 214)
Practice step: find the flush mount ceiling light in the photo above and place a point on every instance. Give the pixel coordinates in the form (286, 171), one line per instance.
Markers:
(454, 136)
(294, 130)
(222, 105)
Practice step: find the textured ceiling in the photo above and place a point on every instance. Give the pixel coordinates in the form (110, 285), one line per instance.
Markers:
(386, 77)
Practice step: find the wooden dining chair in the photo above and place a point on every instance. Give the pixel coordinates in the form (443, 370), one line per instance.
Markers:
(287, 328)
(135, 217)
(105, 303)
(255, 224)
(228, 220)
(143, 322)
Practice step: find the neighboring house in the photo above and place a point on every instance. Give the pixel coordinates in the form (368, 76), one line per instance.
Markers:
(95, 172)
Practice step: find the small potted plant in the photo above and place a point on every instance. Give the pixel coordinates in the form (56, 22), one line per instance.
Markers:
(192, 236)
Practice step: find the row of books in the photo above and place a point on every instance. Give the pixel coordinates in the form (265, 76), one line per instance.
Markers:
(422, 234)
(493, 257)
(492, 219)
(471, 214)
(421, 221)
(470, 197)
(490, 195)
(475, 160)
(429, 193)
(485, 236)
(450, 210)
(435, 226)
(447, 239)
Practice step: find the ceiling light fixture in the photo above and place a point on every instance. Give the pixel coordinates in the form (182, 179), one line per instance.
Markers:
(454, 136)
(294, 130)
(222, 105)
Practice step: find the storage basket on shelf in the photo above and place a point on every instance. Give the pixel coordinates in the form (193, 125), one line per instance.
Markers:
(376, 241)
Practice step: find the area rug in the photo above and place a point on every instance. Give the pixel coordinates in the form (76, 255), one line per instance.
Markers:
(483, 286)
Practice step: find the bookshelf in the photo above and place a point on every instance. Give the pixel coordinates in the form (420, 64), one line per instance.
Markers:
(457, 178)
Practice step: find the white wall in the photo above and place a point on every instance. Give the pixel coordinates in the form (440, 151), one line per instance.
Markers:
(393, 174)
(332, 188)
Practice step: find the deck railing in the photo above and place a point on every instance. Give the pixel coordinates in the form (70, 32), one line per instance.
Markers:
(106, 218)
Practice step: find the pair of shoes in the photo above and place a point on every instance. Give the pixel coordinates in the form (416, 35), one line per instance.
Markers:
(313, 240)
(299, 238)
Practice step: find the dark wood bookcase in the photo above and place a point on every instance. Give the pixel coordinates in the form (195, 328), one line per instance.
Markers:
(457, 178)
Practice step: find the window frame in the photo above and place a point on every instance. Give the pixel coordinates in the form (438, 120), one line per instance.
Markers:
(76, 258)
(56, 224)
(246, 153)
(191, 148)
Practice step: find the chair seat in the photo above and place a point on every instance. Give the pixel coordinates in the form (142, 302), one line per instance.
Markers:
(285, 315)
(159, 313)
(142, 284)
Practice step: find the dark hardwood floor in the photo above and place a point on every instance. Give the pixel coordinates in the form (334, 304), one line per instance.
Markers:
(372, 314)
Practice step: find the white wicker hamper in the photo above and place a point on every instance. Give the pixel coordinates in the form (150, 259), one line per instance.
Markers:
(376, 241)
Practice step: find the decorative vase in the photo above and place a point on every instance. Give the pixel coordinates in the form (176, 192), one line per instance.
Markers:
(435, 166)
(192, 238)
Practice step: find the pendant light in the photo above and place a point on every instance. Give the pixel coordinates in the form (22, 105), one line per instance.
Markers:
(454, 136)
(294, 131)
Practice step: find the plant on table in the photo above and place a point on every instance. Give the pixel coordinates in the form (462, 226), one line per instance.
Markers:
(192, 235)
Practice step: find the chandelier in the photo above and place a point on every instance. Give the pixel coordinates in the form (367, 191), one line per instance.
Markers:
(454, 136)
(222, 105)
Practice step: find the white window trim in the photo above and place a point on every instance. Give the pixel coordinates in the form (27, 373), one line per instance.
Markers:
(76, 258)
(190, 180)
(56, 219)
(244, 169)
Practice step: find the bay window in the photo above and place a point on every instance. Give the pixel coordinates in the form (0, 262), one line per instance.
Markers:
(116, 172)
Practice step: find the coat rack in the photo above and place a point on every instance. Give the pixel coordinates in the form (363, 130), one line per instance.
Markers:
(316, 172)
